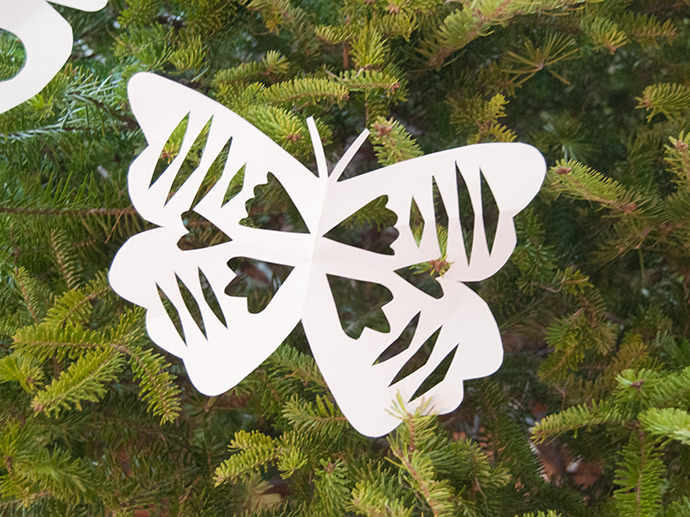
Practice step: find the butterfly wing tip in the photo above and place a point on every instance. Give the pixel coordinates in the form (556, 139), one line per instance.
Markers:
(520, 171)
(208, 377)
(82, 5)
(139, 82)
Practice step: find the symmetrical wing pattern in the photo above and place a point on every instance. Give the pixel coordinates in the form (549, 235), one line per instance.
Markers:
(444, 339)
(47, 39)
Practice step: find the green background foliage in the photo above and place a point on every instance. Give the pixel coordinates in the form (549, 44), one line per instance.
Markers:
(588, 414)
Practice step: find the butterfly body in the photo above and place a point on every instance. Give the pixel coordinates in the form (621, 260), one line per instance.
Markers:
(458, 326)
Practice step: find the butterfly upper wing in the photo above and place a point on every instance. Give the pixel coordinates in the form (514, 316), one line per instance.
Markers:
(513, 171)
(151, 263)
(460, 322)
(47, 39)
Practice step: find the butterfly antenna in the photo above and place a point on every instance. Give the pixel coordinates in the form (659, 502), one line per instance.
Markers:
(349, 154)
(321, 165)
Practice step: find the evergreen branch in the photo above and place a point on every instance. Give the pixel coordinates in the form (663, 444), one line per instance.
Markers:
(54, 472)
(556, 48)
(477, 19)
(604, 33)
(672, 390)
(157, 383)
(74, 307)
(640, 477)
(282, 14)
(677, 156)
(15, 367)
(678, 508)
(578, 417)
(647, 29)
(578, 181)
(367, 80)
(332, 488)
(288, 362)
(572, 338)
(336, 34)
(286, 128)
(670, 99)
(65, 258)
(371, 499)
(254, 451)
(502, 427)
(80, 212)
(668, 423)
(460, 28)
(369, 49)
(272, 65)
(408, 444)
(85, 379)
(304, 92)
(322, 417)
(291, 452)
(484, 115)
(392, 142)
(45, 340)
(438, 495)
(29, 292)
(379, 492)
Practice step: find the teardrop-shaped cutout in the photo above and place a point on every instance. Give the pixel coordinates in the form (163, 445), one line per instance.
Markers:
(213, 174)
(211, 298)
(172, 312)
(271, 208)
(369, 228)
(489, 213)
(192, 305)
(359, 305)
(171, 149)
(257, 281)
(466, 212)
(436, 376)
(402, 343)
(235, 185)
(416, 222)
(418, 359)
(201, 233)
(441, 218)
(191, 159)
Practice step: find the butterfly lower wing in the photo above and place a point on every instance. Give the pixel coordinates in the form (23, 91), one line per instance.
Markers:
(82, 5)
(219, 348)
(450, 339)
(458, 329)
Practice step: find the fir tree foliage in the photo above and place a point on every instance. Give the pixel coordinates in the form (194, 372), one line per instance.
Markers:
(588, 414)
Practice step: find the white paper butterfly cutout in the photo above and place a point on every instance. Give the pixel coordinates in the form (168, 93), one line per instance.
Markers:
(221, 354)
(47, 39)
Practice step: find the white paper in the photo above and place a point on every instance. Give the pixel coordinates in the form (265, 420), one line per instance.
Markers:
(47, 40)
(151, 260)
